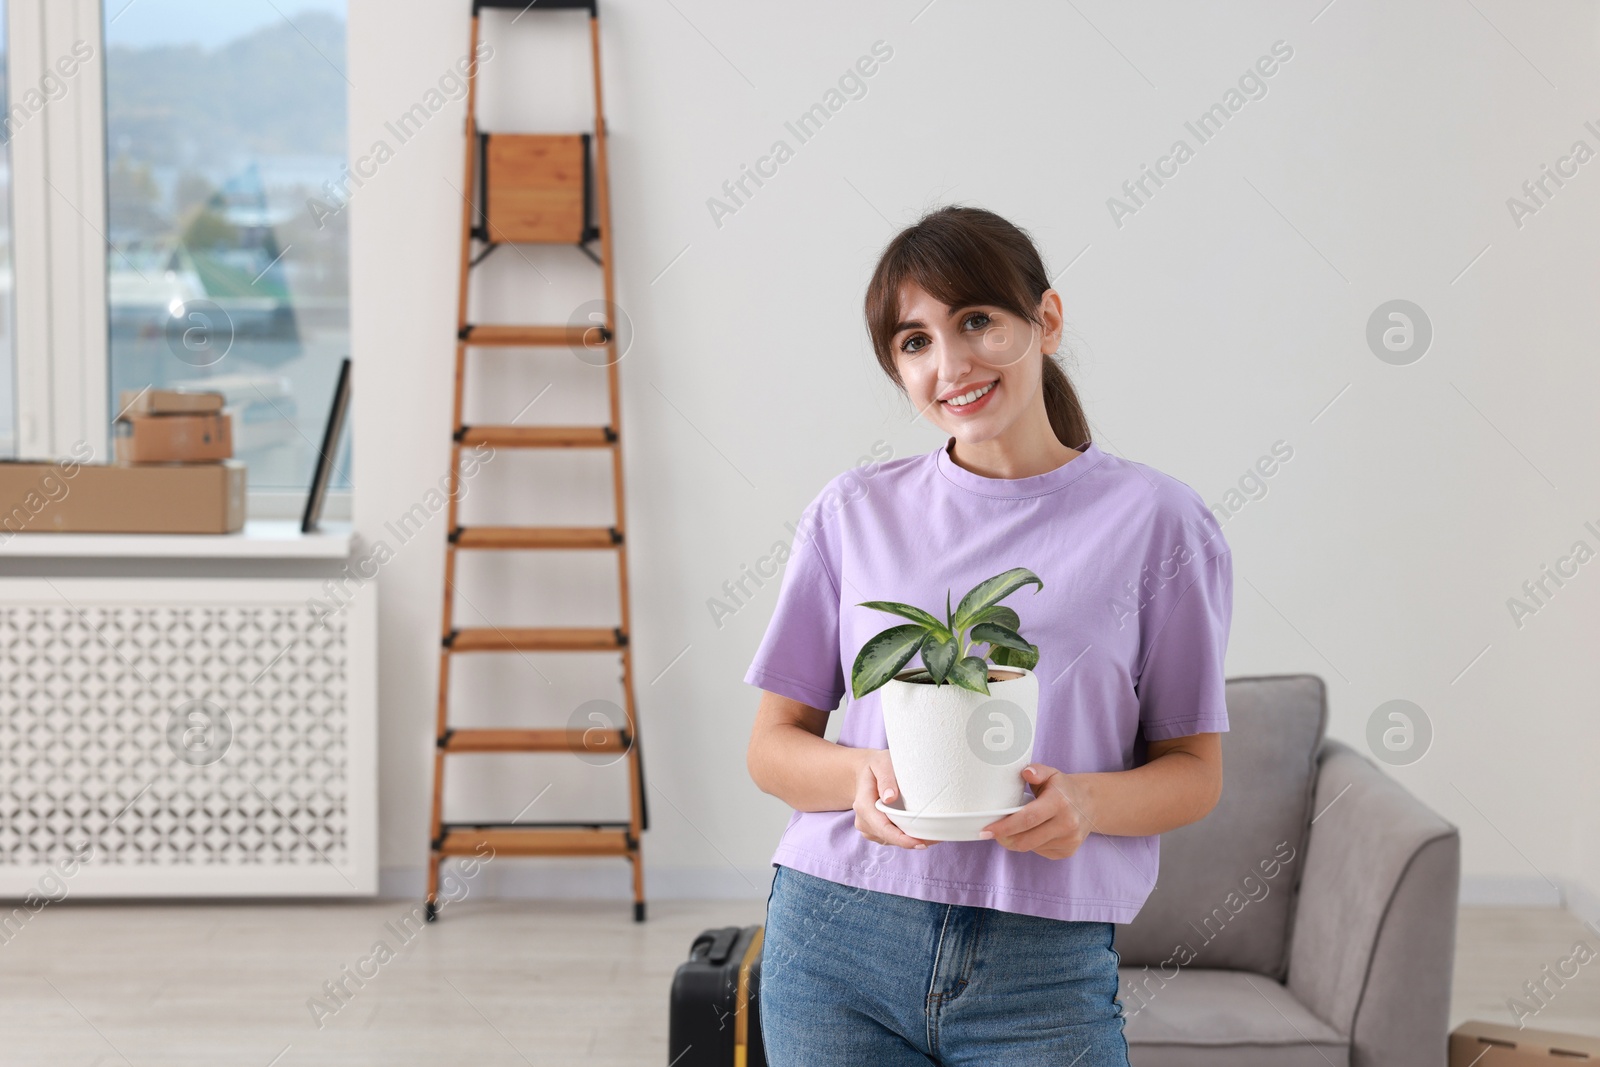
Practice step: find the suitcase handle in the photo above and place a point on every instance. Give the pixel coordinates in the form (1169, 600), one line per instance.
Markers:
(717, 943)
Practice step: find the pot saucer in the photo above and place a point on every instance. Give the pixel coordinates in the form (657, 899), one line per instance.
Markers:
(951, 826)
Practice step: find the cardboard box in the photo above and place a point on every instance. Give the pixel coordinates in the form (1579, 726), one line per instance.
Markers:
(1497, 1045)
(167, 402)
(69, 497)
(174, 438)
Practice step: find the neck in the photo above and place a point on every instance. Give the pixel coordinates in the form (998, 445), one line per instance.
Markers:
(1020, 452)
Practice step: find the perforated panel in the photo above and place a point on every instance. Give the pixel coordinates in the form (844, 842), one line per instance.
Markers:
(205, 734)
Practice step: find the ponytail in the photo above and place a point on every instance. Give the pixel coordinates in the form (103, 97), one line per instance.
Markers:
(1061, 403)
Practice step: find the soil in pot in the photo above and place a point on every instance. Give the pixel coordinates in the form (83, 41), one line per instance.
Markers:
(922, 677)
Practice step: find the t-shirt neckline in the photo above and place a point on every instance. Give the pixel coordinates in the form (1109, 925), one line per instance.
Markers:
(1034, 485)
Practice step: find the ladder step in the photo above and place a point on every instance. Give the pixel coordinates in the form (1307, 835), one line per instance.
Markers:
(538, 436)
(560, 639)
(574, 841)
(571, 5)
(490, 336)
(535, 537)
(584, 741)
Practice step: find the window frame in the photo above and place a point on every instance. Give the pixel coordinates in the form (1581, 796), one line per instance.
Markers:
(58, 224)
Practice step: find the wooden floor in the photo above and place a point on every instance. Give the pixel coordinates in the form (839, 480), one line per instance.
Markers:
(526, 982)
(1498, 949)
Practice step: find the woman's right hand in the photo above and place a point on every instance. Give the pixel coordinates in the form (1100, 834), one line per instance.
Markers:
(875, 781)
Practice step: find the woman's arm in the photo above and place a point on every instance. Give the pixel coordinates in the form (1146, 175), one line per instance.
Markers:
(1179, 784)
(789, 758)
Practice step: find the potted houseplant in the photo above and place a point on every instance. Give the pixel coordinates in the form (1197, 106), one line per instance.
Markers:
(960, 727)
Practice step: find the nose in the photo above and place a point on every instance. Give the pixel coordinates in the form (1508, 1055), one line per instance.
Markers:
(955, 361)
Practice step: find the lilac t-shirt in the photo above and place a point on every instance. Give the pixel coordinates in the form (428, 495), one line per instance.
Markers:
(1132, 627)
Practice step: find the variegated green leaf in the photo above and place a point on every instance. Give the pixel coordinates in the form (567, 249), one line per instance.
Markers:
(916, 615)
(938, 653)
(883, 656)
(1011, 657)
(1000, 614)
(971, 672)
(999, 637)
(990, 592)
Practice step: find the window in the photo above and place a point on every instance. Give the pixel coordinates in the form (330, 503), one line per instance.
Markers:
(224, 130)
(170, 216)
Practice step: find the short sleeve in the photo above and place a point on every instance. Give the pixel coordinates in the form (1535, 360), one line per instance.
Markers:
(1181, 687)
(799, 656)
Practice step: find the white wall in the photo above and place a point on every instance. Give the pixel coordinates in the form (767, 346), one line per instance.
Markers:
(1227, 314)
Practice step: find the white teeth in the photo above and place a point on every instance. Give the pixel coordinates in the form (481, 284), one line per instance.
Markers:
(967, 398)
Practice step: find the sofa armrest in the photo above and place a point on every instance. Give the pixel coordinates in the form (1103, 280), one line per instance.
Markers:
(1373, 942)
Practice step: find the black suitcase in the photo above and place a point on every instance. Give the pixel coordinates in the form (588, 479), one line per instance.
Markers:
(715, 1019)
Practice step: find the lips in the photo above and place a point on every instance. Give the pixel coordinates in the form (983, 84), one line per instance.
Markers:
(975, 398)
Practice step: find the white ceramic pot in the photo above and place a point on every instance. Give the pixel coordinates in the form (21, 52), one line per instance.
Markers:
(956, 751)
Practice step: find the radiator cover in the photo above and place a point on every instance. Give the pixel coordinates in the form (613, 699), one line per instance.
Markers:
(186, 737)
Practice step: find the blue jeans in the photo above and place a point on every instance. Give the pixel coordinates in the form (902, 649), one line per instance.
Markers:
(856, 978)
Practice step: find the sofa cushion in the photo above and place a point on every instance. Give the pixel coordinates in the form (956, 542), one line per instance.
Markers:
(1203, 1018)
(1224, 895)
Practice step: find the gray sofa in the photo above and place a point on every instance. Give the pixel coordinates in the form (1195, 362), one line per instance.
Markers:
(1309, 920)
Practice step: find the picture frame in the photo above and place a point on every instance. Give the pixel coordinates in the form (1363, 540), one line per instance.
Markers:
(323, 474)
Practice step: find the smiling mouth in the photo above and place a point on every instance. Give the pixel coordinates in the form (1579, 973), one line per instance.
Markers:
(972, 396)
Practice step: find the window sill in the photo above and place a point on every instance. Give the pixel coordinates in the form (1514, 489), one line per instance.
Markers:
(260, 539)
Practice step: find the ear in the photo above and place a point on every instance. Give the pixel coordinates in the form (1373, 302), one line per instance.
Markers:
(1054, 320)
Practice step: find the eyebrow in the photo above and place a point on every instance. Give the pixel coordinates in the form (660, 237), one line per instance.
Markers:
(917, 324)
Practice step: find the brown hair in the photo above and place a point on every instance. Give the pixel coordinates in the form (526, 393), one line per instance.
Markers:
(965, 256)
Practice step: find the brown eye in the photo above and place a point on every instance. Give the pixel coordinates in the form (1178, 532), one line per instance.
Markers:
(976, 321)
(914, 343)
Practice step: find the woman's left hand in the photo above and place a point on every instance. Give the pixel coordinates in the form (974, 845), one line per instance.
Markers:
(1053, 823)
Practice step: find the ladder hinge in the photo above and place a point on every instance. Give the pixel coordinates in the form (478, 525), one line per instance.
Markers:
(449, 642)
(461, 432)
(463, 333)
(616, 536)
(455, 535)
(622, 638)
(437, 843)
(611, 435)
(448, 734)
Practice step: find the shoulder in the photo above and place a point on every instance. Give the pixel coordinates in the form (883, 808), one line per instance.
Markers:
(1175, 514)
(877, 473)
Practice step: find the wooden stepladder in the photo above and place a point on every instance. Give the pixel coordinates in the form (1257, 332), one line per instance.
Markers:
(547, 189)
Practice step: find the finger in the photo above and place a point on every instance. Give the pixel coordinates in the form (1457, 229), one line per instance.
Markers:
(875, 785)
(1036, 838)
(1059, 825)
(893, 835)
(876, 826)
(869, 789)
(1038, 777)
(1033, 813)
(879, 827)
(888, 787)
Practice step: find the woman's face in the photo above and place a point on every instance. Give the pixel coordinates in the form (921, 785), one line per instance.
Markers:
(984, 356)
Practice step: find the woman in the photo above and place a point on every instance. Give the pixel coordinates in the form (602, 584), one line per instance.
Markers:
(880, 949)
